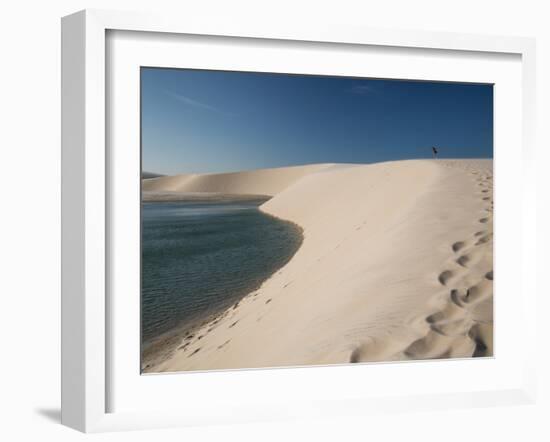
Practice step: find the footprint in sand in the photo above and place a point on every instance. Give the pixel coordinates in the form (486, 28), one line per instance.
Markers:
(444, 277)
(458, 245)
(482, 336)
(368, 350)
(456, 298)
(431, 346)
(484, 239)
(450, 312)
(463, 260)
(478, 292)
(355, 356)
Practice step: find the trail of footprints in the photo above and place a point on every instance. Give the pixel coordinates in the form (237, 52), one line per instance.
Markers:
(464, 325)
(460, 327)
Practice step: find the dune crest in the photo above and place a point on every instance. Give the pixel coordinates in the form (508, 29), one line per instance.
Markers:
(396, 264)
(253, 182)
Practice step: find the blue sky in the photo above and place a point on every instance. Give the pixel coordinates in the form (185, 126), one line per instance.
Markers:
(214, 121)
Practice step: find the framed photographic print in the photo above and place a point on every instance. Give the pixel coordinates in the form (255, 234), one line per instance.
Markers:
(291, 222)
(303, 209)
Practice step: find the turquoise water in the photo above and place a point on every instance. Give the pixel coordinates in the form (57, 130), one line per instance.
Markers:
(200, 258)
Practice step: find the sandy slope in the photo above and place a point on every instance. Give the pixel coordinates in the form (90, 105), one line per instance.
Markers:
(254, 182)
(396, 264)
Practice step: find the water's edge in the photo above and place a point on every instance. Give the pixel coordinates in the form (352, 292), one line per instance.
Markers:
(162, 347)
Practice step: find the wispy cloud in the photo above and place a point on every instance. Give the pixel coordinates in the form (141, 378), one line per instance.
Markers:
(362, 89)
(196, 103)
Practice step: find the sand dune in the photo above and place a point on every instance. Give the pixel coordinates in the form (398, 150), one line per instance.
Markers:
(396, 264)
(254, 182)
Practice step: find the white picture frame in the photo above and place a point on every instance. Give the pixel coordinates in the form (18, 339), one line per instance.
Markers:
(86, 204)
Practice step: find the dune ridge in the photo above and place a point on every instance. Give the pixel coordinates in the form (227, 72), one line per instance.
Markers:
(396, 264)
(253, 182)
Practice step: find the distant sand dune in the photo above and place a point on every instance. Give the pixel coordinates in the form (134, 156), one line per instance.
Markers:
(396, 264)
(255, 182)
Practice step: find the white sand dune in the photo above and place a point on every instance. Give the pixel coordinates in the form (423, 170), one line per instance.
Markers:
(253, 182)
(396, 263)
